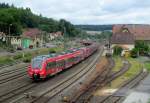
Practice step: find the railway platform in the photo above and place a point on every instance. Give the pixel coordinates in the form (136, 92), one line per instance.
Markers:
(141, 94)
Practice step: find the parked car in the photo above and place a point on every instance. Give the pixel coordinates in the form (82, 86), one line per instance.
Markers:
(19, 48)
(30, 46)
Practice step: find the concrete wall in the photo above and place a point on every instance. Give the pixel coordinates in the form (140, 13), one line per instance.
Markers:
(16, 41)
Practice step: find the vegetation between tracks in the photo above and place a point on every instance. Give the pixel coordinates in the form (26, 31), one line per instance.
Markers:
(147, 65)
(135, 68)
(118, 63)
(5, 59)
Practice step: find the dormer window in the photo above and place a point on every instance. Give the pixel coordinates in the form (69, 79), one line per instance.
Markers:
(125, 30)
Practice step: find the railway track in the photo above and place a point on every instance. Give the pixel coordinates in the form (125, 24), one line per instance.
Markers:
(58, 88)
(11, 75)
(81, 96)
(8, 72)
(63, 85)
(127, 85)
(23, 88)
(10, 64)
(101, 82)
(16, 91)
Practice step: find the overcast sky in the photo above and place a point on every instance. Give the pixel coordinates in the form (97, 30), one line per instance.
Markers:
(90, 11)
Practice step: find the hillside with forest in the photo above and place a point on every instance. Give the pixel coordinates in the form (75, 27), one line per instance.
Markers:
(13, 20)
(95, 27)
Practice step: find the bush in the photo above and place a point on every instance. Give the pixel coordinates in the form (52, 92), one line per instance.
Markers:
(18, 56)
(117, 50)
(27, 59)
(134, 53)
(27, 54)
(55, 50)
(142, 47)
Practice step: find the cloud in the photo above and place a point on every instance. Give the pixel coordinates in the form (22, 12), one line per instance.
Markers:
(90, 11)
(123, 5)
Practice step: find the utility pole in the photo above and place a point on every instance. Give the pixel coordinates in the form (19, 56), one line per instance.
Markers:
(64, 32)
(9, 28)
(64, 36)
(9, 39)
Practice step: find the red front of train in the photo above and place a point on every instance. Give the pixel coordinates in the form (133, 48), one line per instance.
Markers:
(48, 65)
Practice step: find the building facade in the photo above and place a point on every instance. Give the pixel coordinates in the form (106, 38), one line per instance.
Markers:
(126, 35)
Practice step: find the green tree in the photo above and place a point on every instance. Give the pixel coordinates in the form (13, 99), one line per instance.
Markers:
(117, 50)
(134, 52)
(20, 18)
(142, 47)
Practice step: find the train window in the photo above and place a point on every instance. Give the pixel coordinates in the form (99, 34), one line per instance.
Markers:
(51, 65)
(37, 63)
(60, 63)
(77, 58)
(70, 60)
(73, 59)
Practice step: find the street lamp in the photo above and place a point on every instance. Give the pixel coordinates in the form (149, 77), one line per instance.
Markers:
(9, 28)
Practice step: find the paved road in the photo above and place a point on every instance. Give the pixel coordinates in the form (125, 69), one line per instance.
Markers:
(141, 94)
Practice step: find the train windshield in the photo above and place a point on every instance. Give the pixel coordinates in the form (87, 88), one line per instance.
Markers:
(36, 63)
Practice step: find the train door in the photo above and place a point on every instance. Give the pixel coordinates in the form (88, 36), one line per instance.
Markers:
(76, 58)
(69, 62)
(60, 65)
(82, 54)
(50, 68)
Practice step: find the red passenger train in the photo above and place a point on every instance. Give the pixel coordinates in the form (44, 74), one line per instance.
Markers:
(48, 65)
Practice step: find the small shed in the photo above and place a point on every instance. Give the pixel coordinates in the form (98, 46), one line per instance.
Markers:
(26, 42)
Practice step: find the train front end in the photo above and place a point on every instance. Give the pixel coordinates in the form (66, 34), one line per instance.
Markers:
(36, 69)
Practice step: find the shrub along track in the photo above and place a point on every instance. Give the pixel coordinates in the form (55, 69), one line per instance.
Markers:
(27, 86)
(114, 98)
(99, 82)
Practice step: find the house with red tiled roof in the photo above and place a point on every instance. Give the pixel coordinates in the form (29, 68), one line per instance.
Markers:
(126, 35)
(140, 31)
(32, 37)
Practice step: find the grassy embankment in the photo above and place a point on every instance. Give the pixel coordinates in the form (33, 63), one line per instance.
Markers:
(147, 65)
(27, 56)
(118, 63)
(133, 70)
(145, 61)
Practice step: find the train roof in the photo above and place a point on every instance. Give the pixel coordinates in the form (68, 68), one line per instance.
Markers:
(45, 56)
(51, 55)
